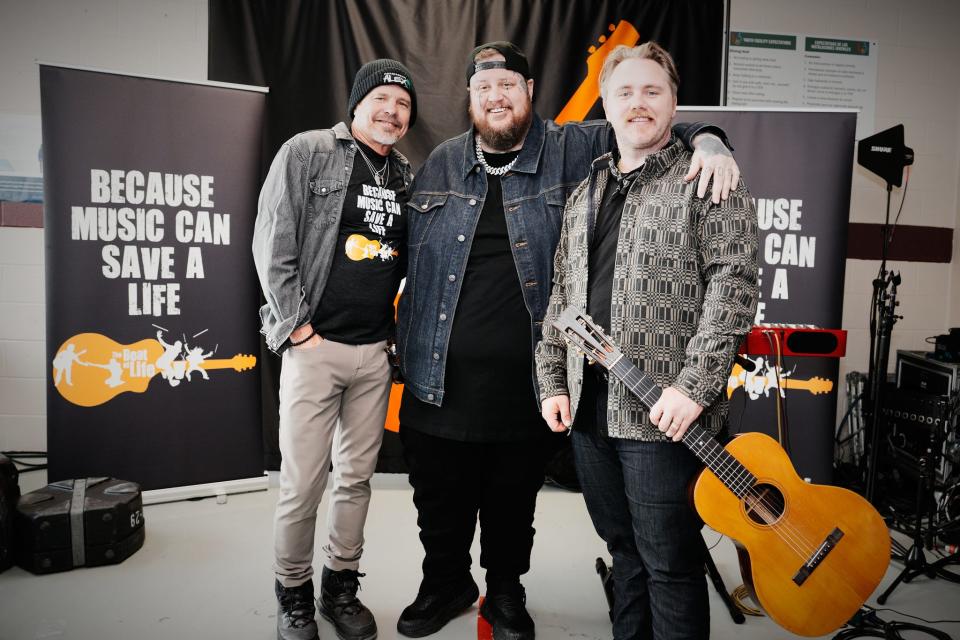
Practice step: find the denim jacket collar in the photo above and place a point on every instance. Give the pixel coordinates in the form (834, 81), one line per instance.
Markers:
(527, 162)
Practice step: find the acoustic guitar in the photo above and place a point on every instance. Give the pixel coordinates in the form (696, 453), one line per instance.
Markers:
(810, 555)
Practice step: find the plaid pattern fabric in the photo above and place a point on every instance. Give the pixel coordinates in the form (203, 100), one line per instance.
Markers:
(684, 290)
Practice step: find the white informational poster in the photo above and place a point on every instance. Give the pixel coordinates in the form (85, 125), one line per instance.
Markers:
(20, 158)
(797, 70)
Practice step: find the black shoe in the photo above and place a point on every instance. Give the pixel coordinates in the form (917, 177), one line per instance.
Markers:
(434, 608)
(339, 604)
(506, 611)
(295, 612)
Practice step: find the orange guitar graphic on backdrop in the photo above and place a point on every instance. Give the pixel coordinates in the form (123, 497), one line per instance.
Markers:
(765, 377)
(91, 369)
(588, 92)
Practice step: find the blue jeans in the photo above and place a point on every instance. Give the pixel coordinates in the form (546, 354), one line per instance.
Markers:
(636, 493)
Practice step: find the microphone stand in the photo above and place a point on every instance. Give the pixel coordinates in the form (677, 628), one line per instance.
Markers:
(885, 304)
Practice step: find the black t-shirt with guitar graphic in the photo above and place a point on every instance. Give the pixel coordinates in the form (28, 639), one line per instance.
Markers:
(357, 303)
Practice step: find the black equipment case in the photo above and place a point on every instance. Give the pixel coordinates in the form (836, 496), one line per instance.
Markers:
(74, 523)
(9, 494)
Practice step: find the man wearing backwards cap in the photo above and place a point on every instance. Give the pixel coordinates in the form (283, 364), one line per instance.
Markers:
(330, 249)
(486, 210)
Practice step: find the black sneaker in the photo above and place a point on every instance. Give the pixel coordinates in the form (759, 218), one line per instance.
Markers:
(434, 608)
(295, 612)
(339, 604)
(505, 609)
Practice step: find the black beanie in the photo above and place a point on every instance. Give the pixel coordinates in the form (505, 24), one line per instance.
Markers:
(380, 72)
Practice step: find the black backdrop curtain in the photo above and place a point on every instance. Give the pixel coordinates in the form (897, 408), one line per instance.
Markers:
(307, 52)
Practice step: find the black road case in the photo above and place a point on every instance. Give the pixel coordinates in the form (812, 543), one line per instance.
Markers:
(74, 523)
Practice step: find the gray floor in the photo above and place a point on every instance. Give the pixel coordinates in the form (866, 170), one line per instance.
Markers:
(204, 572)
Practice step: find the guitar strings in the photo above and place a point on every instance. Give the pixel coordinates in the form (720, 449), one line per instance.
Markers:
(740, 484)
(793, 537)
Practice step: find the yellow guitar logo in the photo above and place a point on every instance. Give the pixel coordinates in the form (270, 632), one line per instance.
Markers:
(91, 369)
(765, 377)
(588, 92)
(359, 248)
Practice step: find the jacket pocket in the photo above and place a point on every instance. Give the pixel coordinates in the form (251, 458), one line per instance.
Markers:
(423, 209)
(556, 200)
(325, 198)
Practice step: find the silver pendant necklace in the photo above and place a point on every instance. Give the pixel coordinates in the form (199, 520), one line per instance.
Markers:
(493, 171)
(379, 176)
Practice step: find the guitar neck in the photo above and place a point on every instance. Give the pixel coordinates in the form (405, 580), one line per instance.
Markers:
(728, 469)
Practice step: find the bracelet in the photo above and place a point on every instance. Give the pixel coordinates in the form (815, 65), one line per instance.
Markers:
(297, 344)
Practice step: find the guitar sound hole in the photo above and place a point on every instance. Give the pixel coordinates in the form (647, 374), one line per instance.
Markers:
(764, 504)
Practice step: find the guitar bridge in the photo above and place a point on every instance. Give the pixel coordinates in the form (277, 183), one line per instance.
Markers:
(814, 560)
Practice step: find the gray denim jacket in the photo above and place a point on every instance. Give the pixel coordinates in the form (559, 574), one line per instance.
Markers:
(298, 219)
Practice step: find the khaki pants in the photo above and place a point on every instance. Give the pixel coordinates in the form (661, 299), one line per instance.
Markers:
(319, 387)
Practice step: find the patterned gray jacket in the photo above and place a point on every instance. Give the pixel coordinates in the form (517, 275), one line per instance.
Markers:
(684, 290)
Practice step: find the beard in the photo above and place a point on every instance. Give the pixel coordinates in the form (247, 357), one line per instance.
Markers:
(369, 125)
(503, 138)
(386, 139)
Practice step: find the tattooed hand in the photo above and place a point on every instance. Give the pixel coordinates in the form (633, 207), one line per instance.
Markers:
(711, 158)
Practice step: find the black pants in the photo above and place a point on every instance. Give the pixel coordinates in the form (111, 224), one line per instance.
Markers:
(454, 482)
(636, 493)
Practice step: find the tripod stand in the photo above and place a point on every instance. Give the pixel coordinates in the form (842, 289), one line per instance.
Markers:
(914, 559)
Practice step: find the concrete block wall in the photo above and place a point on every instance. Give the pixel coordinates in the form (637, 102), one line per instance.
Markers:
(918, 58)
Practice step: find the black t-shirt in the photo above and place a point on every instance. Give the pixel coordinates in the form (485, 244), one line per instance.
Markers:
(591, 412)
(488, 381)
(368, 264)
(603, 247)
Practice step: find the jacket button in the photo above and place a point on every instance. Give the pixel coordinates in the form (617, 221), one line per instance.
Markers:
(323, 189)
(472, 202)
(429, 396)
(461, 238)
(436, 356)
(443, 316)
(451, 277)
(423, 206)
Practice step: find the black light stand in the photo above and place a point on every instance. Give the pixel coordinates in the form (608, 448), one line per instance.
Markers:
(885, 299)
(886, 155)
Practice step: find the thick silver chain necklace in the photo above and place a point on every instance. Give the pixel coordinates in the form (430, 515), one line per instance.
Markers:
(493, 171)
(379, 176)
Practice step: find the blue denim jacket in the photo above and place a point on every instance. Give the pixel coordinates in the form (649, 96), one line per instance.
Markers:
(447, 197)
(298, 221)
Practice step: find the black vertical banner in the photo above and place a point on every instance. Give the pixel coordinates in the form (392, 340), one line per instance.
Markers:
(152, 332)
(798, 166)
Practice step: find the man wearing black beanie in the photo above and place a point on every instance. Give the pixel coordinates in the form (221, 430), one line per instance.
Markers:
(330, 250)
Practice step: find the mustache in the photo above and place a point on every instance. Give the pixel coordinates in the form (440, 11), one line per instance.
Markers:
(640, 113)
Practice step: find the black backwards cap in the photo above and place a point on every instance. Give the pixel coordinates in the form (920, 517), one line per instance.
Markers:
(514, 59)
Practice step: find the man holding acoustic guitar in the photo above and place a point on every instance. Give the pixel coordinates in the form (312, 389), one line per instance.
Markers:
(673, 279)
